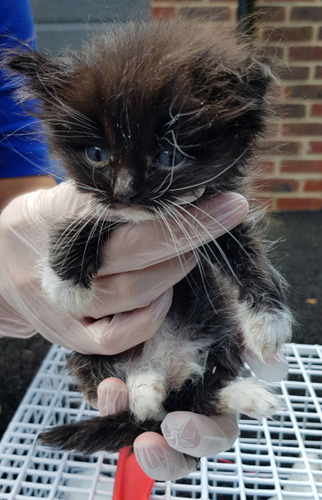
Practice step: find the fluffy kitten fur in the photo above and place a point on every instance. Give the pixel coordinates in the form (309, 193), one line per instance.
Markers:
(147, 117)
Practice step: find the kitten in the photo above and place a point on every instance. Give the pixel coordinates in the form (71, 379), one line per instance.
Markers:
(152, 118)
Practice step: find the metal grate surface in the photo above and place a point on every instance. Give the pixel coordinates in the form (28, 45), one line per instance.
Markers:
(276, 459)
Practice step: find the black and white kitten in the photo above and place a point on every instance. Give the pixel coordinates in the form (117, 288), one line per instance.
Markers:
(151, 118)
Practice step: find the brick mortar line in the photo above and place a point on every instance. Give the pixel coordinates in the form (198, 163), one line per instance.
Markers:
(299, 158)
(301, 121)
(295, 3)
(297, 100)
(294, 175)
(315, 34)
(304, 63)
(290, 194)
(297, 138)
(316, 82)
(289, 23)
(294, 43)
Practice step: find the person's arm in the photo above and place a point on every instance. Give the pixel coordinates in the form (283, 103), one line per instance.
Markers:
(12, 187)
(24, 160)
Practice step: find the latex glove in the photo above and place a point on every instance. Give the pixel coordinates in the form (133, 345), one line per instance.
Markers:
(274, 369)
(139, 268)
(186, 435)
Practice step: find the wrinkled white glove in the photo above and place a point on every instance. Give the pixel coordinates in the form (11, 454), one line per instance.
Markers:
(139, 267)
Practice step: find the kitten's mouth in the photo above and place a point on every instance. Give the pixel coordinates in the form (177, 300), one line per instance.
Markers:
(134, 212)
(190, 197)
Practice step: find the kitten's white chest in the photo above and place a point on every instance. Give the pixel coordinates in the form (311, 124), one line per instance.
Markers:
(166, 362)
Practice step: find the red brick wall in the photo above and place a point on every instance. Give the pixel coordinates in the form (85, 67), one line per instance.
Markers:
(292, 30)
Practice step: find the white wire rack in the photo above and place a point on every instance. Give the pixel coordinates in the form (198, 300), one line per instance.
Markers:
(276, 459)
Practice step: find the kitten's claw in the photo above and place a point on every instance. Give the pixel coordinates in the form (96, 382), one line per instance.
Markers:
(265, 332)
(64, 293)
(249, 398)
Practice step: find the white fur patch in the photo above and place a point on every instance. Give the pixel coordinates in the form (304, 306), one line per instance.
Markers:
(264, 332)
(167, 360)
(64, 294)
(250, 398)
(130, 214)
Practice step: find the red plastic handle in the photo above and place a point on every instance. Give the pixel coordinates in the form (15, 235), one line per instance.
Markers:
(131, 483)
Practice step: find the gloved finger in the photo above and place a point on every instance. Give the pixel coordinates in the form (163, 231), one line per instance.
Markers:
(27, 219)
(125, 330)
(159, 460)
(127, 291)
(61, 202)
(134, 247)
(274, 369)
(198, 435)
(112, 396)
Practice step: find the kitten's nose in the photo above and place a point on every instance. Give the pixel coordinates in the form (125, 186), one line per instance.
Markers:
(123, 183)
(123, 187)
(125, 199)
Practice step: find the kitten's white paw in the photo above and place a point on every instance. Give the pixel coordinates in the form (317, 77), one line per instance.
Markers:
(249, 398)
(146, 393)
(265, 332)
(64, 294)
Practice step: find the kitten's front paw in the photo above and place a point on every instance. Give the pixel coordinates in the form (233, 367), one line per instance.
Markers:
(64, 294)
(249, 398)
(146, 393)
(265, 331)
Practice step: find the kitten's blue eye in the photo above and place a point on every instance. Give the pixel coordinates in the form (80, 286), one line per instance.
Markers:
(169, 159)
(97, 154)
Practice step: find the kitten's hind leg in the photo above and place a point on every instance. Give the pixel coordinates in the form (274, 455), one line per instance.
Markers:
(250, 398)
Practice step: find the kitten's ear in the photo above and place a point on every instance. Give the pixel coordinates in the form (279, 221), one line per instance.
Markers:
(256, 78)
(243, 77)
(45, 77)
(238, 89)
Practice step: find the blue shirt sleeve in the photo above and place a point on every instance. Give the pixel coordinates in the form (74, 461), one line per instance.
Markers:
(23, 149)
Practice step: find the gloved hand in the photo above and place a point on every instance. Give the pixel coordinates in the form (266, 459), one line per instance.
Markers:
(186, 435)
(140, 266)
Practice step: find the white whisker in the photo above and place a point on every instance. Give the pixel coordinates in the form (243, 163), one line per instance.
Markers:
(203, 227)
(180, 256)
(176, 145)
(214, 177)
(172, 213)
(220, 225)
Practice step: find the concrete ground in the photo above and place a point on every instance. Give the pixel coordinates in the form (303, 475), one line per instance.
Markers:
(298, 256)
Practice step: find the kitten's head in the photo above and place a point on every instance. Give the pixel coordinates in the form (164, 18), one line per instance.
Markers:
(152, 113)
